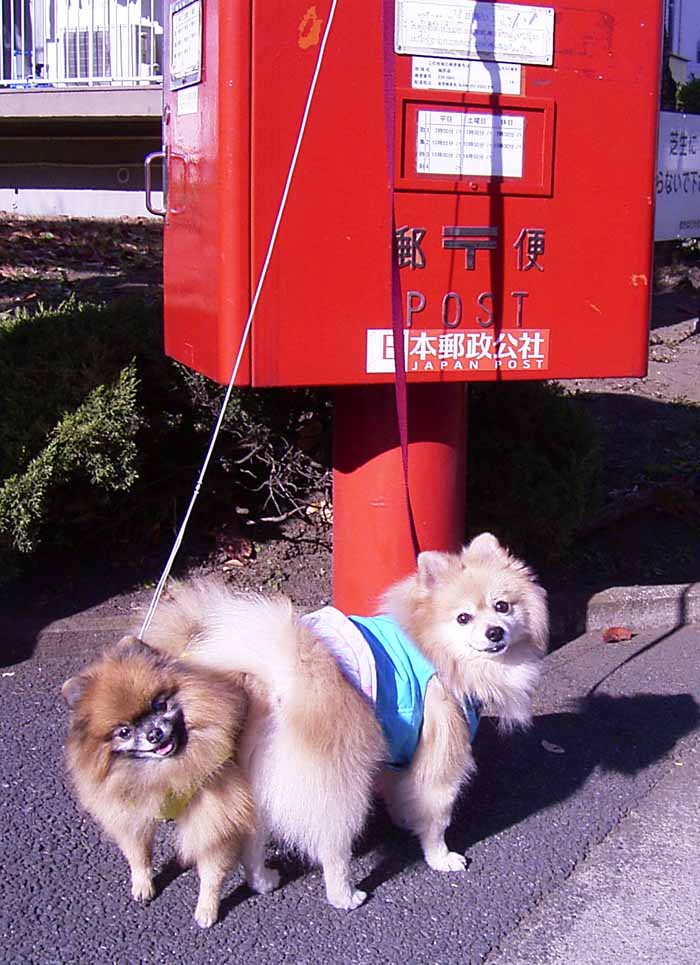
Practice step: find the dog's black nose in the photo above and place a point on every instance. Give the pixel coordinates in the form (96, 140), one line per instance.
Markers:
(155, 735)
(495, 634)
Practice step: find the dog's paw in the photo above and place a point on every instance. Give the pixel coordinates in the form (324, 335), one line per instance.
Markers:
(347, 900)
(263, 880)
(449, 861)
(206, 913)
(142, 889)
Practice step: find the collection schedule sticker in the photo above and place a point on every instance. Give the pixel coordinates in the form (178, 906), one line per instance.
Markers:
(460, 143)
(186, 43)
(475, 30)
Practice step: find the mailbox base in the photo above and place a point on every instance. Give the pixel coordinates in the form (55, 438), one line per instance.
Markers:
(372, 545)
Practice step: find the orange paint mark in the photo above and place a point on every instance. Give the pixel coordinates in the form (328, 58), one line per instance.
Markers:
(310, 29)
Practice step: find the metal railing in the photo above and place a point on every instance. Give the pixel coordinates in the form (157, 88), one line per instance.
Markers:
(65, 43)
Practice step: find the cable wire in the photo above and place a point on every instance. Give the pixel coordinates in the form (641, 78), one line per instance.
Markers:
(246, 330)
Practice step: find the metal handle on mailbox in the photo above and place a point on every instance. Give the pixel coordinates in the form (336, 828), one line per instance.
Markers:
(148, 181)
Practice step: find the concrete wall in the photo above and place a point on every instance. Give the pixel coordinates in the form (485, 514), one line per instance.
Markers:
(683, 26)
(78, 152)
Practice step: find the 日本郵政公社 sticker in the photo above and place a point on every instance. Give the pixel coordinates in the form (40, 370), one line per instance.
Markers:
(459, 350)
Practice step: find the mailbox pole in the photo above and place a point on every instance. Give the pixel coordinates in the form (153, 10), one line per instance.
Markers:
(372, 545)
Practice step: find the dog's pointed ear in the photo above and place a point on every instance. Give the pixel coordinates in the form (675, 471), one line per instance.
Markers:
(74, 688)
(483, 546)
(433, 567)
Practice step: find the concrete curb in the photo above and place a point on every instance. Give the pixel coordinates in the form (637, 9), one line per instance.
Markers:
(637, 607)
(60, 638)
(573, 612)
(645, 607)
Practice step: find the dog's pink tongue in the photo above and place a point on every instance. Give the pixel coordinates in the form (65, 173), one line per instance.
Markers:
(165, 750)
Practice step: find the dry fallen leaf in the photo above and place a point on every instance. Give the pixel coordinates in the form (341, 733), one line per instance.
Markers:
(236, 549)
(324, 510)
(231, 546)
(553, 748)
(617, 634)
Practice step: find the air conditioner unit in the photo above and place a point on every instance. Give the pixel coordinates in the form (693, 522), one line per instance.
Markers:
(86, 53)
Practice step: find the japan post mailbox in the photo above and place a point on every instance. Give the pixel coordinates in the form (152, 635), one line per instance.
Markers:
(492, 161)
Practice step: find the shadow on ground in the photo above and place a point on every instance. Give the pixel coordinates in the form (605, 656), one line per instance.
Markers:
(613, 734)
(647, 530)
(670, 307)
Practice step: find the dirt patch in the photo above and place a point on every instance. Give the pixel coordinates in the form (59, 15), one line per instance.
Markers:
(49, 261)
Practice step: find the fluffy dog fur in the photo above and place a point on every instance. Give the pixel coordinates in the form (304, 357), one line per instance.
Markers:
(312, 747)
(153, 737)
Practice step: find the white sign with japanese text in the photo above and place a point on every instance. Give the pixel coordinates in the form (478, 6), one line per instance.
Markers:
(459, 143)
(186, 43)
(474, 30)
(678, 177)
(441, 73)
(460, 350)
(187, 101)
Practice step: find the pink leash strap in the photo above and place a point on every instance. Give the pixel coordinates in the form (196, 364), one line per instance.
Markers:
(400, 384)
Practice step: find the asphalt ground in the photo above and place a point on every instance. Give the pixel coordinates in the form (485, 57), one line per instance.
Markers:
(634, 897)
(581, 835)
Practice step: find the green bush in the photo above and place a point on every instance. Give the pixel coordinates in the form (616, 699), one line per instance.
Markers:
(102, 436)
(688, 97)
(71, 420)
(533, 467)
(95, 443)
(49, 363)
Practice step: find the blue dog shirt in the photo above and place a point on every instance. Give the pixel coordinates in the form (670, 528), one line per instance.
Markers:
(383, 662)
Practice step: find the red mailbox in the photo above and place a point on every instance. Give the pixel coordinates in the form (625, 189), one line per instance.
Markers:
(487, 166)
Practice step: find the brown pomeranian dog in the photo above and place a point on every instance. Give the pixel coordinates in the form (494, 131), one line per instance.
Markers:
(342, 705)
(152, 738)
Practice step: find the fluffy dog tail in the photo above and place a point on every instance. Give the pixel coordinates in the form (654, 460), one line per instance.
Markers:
(234, 632)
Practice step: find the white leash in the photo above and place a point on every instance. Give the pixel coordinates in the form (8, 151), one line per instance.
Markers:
(246, 331)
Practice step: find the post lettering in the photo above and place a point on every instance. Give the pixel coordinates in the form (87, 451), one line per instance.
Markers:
(457, 319)
(480, 320)
(413, 308)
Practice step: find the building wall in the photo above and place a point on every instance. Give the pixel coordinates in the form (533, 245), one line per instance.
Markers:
(682, 19)
(78, 152)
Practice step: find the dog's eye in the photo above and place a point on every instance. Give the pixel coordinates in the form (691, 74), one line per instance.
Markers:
(501, 606)
(160, 704)
(463, 618)
(124, 733)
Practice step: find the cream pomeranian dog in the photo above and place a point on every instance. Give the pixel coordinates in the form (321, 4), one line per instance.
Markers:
(342, 706)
